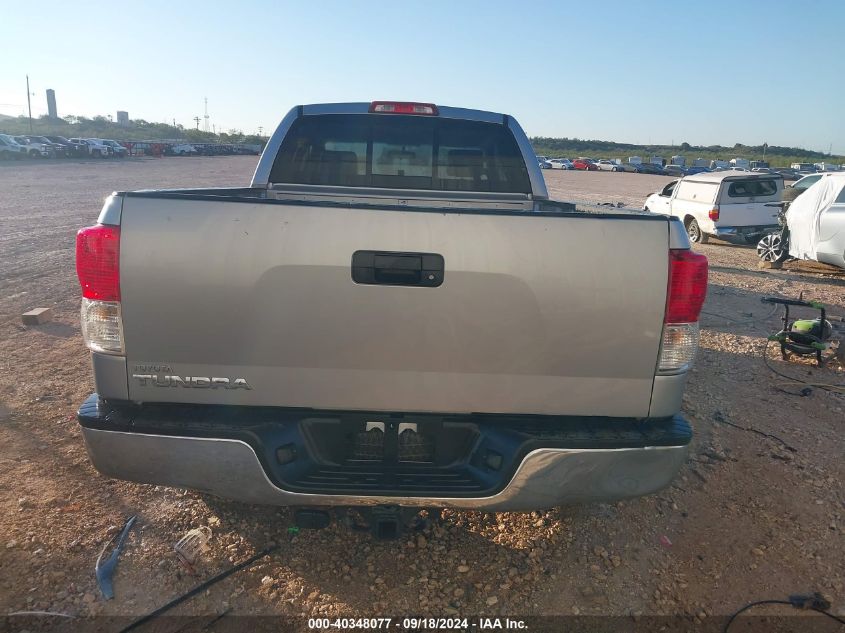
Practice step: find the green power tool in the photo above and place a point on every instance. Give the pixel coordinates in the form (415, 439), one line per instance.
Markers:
(805, 337)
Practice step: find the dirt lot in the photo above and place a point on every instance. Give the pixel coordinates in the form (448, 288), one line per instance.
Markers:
(758, 512)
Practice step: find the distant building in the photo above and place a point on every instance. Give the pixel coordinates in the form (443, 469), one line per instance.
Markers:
(52, 112)
(122, 117)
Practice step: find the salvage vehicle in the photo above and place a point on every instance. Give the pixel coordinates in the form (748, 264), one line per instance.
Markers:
(730, 205)
(92, 147)
(35, 149)
(608, 165)
(181, 149)
(386, 318)
(70, 148)
(116, 149)
(584, 164)
(812, 227)
(674, 170)
(56, 150)
(10, 148)
(791, 192)
(561, 163)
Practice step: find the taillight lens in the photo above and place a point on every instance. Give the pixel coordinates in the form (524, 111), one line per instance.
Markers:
(678, 347)
(98, 262)
(713, 214)
(686, 293)
(102, 326)
(687, 286)
(98, 269)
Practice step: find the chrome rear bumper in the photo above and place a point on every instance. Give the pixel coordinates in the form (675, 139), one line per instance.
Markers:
(231, 469)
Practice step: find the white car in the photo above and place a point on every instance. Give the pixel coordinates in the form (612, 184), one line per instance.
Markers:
(608, 165)
(815, 225)
(34, 149)
(95, 147)
(561, 163)
(184, 149)
(731, 205)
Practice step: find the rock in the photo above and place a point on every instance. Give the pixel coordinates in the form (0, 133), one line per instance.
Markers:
(11, 544)
(757, 551)
(513, 572)
(37, 316)
(769, 265)
(267, 580)
(462, 569)
(576, 611)
(539, 523)
(492, 600)
(89, 598)
(421, 541)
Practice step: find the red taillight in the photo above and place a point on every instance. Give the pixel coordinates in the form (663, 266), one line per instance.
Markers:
(713, 214)
(687, 286)
(98, 262)
(403, 107)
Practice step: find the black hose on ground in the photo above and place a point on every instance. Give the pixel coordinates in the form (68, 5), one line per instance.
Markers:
(200, 588)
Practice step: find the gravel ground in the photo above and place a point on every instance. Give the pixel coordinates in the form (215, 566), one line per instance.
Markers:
(756, 513)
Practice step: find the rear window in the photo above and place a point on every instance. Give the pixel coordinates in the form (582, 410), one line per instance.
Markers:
(401, 152)
(752, 188)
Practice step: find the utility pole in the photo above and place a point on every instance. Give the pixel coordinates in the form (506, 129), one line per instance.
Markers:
(260, 130)
(197, 119)
(29, 104)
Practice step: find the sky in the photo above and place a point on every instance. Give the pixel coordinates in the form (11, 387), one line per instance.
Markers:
(638, 71)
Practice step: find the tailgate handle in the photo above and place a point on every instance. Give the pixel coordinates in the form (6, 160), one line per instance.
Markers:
(388, 268)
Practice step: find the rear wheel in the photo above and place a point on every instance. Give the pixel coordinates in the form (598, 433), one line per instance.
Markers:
(34, 153)
(773, 248)
(696, 235)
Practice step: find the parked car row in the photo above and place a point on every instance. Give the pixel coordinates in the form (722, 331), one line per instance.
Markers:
(604, 164)
(652, 167)
(32, 146)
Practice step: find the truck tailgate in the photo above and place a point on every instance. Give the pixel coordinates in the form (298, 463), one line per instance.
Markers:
(747, 214)
(536, 313)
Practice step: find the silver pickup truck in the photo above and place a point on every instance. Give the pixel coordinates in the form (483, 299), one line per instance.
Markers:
(393, 314)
